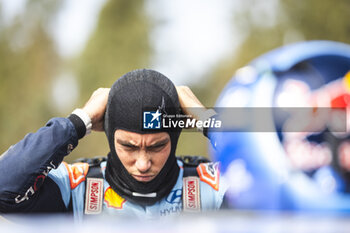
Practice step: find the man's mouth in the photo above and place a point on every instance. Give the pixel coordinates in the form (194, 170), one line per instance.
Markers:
(143, 178)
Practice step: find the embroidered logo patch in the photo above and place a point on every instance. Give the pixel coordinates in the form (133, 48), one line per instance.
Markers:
(112, 199)
(94, 195)
(209, 173)
(191, 197)
(77, 173)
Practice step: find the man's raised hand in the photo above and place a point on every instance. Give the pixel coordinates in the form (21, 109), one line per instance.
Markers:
(96, 107)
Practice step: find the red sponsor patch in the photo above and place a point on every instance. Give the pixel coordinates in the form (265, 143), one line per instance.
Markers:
(94, 196)
(77, 173)
(191, 194)
(209, 173)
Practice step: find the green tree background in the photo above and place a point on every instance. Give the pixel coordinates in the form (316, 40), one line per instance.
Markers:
(120, 43)
(28, 62)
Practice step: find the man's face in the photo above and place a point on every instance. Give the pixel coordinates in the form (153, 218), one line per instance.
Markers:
(143, 155)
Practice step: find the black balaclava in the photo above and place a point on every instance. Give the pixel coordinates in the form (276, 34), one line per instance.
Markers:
(128, 97)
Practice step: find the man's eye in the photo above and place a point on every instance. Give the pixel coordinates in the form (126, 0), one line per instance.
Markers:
(130, 147)
(156, 148)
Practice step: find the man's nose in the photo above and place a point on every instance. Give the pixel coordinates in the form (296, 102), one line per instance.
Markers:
(143, 162)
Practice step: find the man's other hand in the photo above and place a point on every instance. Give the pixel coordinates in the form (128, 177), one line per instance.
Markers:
(96, 107)
(190, 104)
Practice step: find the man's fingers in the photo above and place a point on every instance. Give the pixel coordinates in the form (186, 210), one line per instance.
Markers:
(96, 107)
(187, 98)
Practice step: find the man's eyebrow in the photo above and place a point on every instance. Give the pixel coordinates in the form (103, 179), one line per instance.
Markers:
(156, 144)
(126, 143)
(159, 143)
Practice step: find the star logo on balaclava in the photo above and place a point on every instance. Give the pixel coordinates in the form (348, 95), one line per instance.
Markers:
(156, 115)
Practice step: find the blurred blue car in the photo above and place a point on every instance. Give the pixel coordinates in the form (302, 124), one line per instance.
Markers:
(302, 164)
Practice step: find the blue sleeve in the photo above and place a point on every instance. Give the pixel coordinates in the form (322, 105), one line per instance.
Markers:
(24, 168)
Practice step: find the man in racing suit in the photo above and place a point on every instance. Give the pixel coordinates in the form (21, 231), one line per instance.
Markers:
(141, 176)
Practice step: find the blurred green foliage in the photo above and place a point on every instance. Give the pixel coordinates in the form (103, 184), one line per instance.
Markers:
(28, 62)
(120, 43)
